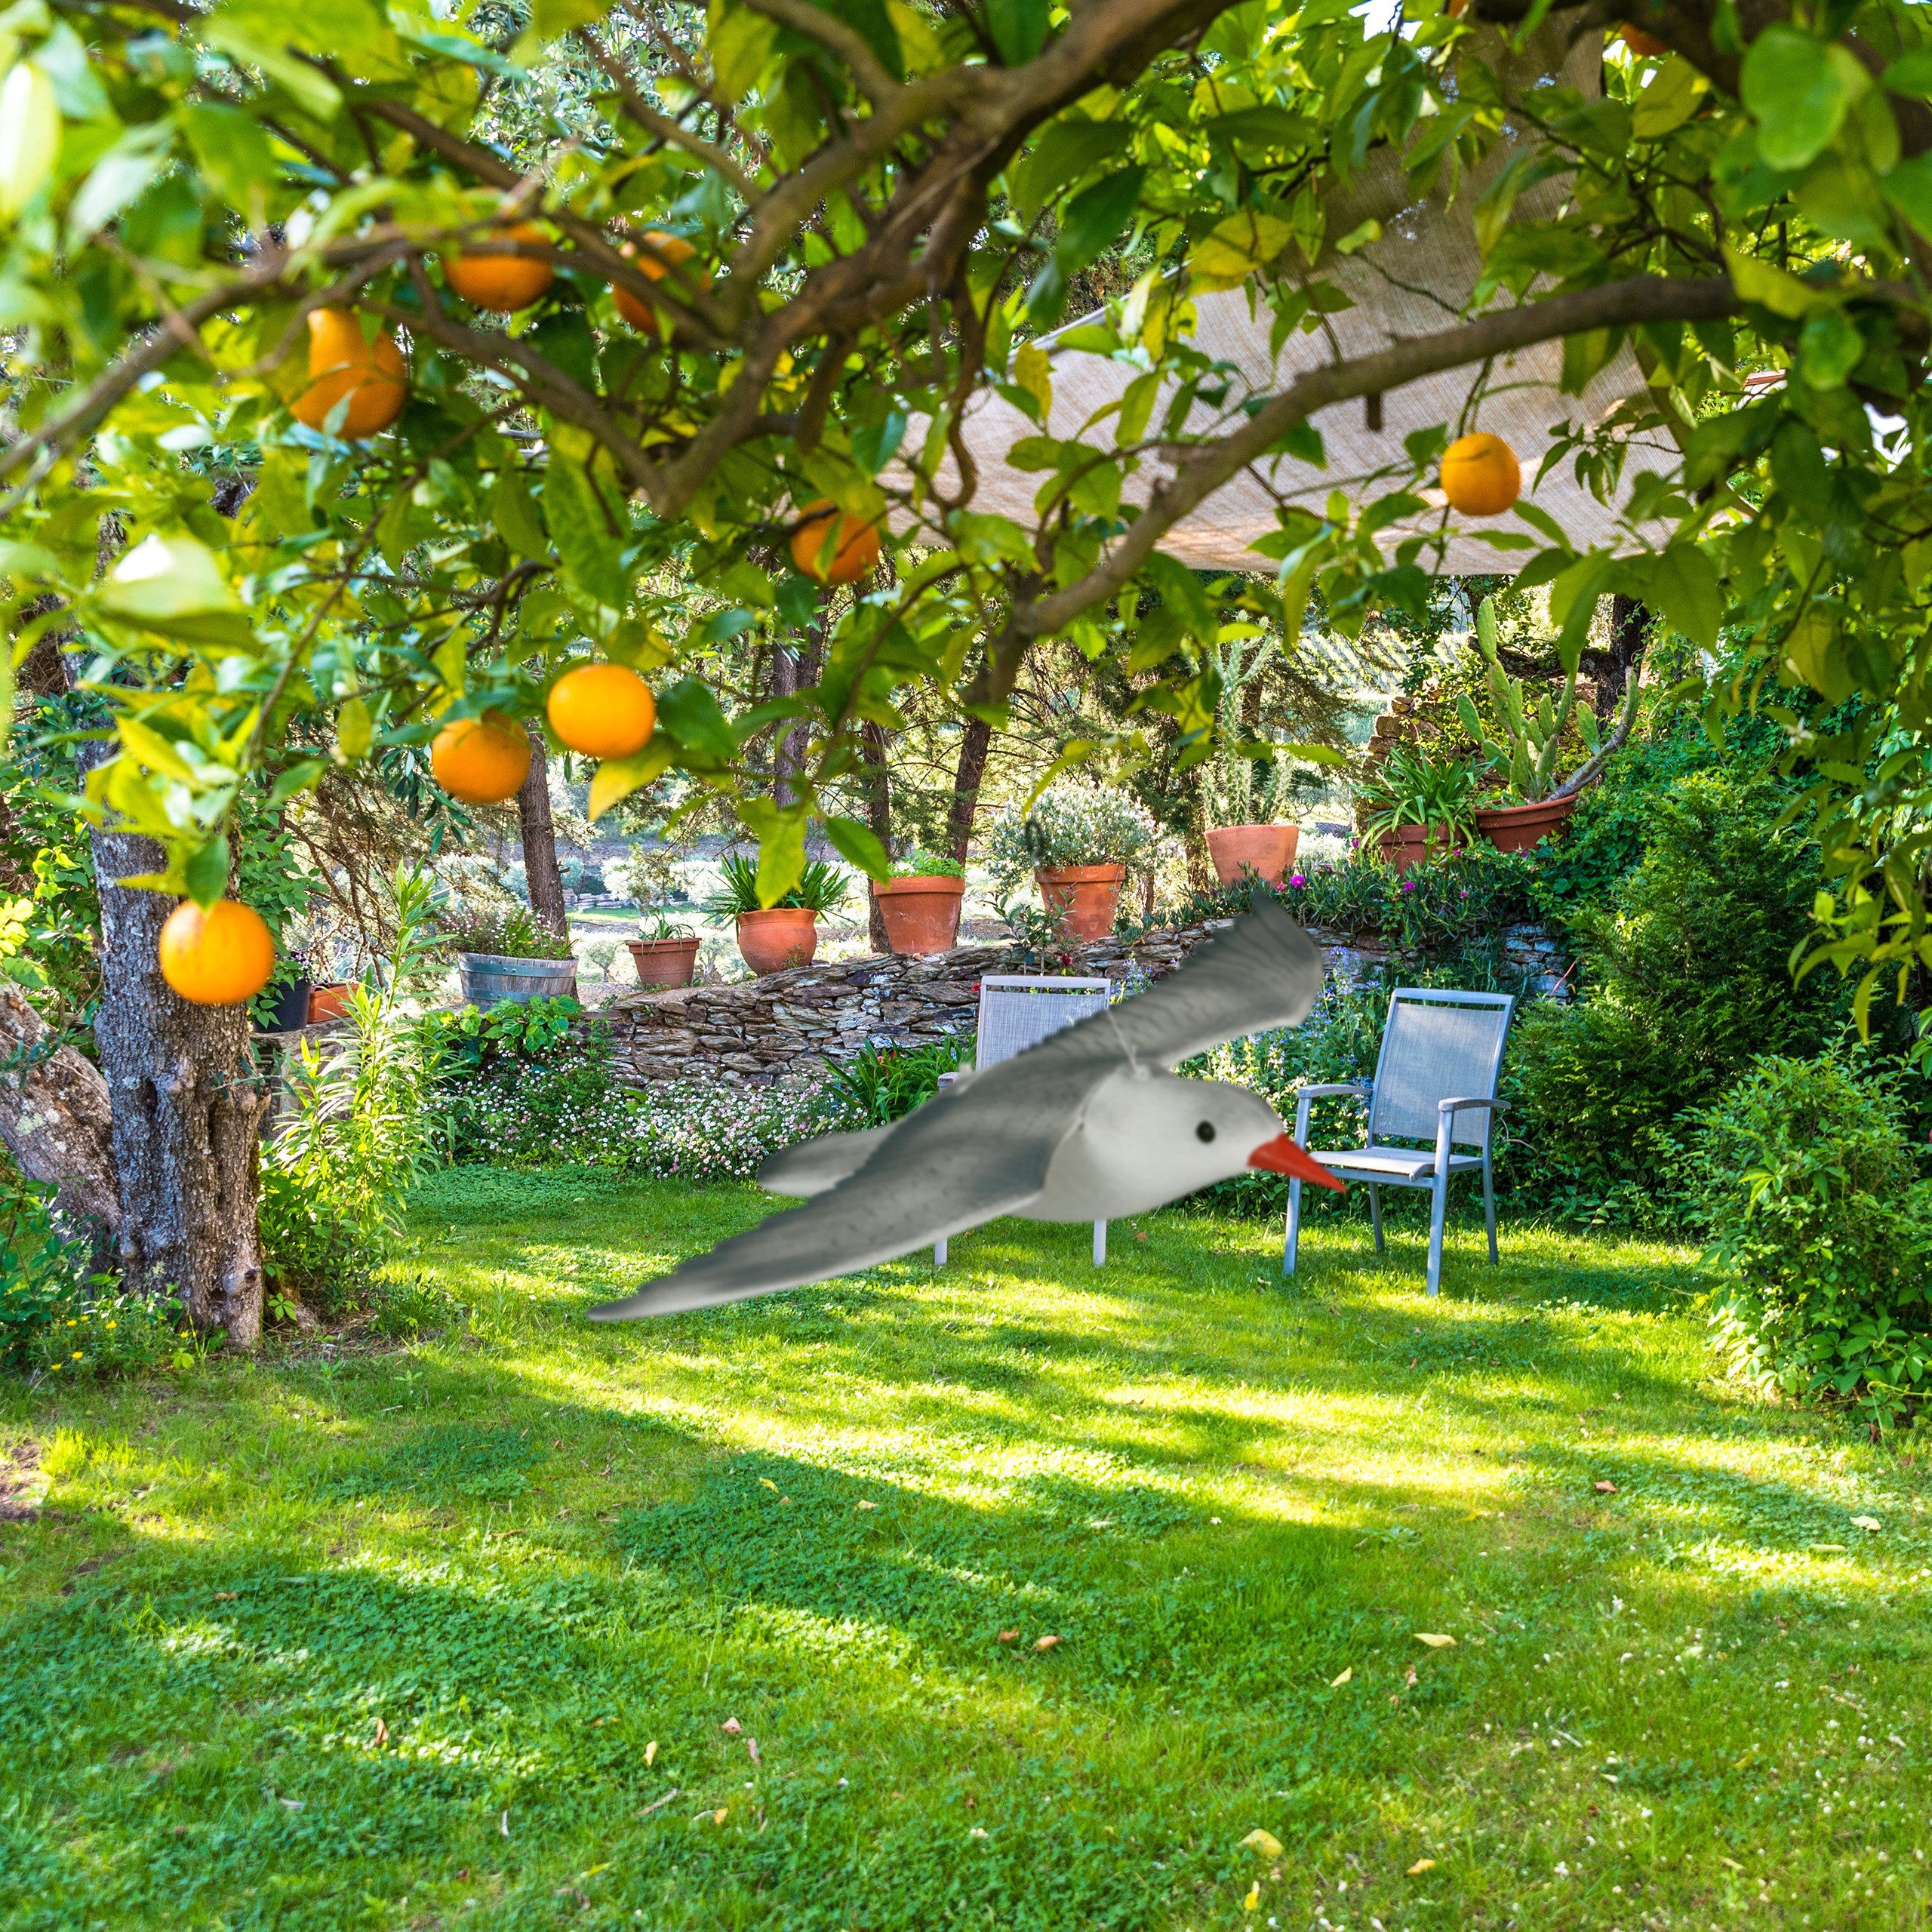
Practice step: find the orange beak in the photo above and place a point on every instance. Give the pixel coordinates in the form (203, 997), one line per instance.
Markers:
(1283, 1156)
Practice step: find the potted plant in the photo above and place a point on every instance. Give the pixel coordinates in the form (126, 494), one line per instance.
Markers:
(504, 955)
(1531, 740)
(1244, 833)
(282, 1006)
(920, 902)
(664, 953)
(1078, 841)
(773, 937)
(1419, 806)
(329, 1000)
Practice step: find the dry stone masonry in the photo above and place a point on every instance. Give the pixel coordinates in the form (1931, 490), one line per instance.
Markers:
(763, 1030)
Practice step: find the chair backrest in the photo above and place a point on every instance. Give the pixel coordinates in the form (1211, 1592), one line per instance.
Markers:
(1016, 1012)
(1438, 1045)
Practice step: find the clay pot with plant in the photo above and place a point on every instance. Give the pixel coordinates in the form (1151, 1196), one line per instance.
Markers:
(771, 938)
(1527, 747)
(1079, 841)
(664, 953)
(1419, 806)
(506, 955)
(920, 903)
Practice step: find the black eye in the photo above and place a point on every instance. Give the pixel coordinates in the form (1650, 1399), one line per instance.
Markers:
(1205, 1131)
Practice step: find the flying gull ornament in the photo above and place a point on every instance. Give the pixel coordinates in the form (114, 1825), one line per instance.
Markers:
(1091, 1124)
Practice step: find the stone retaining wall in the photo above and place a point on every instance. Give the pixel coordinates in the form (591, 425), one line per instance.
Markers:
(788, 1023)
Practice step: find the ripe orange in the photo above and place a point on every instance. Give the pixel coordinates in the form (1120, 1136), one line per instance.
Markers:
(603, 711)
(655, 256)
(372, 375)
(482, 761)
(1481, 476)
(216, 955)
(1640, 42)
(485, 280)
(856, 552)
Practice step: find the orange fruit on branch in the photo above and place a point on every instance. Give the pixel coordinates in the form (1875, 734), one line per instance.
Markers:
(482, 761)
(603, 711)
(343, 362)
(656, 255)
(851, 554)
(1481, 476)
(488, 280)
(1639, 41)
(218, 955)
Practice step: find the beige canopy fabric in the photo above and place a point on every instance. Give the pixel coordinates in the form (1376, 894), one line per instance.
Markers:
(1415, 279)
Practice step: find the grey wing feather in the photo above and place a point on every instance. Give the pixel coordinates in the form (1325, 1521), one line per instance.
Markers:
(813, 1166)
(1264, 972)
(949, 1166)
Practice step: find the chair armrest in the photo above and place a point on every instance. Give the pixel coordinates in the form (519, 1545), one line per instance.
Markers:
(1358, 1087)
(1474, 1100)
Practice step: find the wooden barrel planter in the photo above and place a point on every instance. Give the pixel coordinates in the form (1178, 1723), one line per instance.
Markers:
(921, 912)
(490, 978)
(1082, 900)
(1517, 828)
(1266, 850)
(664, 962)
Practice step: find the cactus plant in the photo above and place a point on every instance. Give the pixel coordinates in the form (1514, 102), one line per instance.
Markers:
(1533, 732)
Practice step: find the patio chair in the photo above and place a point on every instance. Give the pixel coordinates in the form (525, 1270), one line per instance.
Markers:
(1016, 1012)
(1436, 1077)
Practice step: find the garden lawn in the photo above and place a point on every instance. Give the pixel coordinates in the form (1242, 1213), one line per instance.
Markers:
(1015, 1596)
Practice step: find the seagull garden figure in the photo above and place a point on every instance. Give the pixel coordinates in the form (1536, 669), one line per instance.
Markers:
(1091, 1124)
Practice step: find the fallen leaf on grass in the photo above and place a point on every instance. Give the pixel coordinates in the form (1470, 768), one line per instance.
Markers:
(769, 1484)
(1009, 1636)
(1731, 1862)
(226, 1596)
(732, 1727)
(1336, 1683)
(719, 1816)
(1266, 1843)
(382, 1732)
(1421, 1865)
(865, 1503)
(1048, 1643)
(1435, 1640)
(1865, 1523)
(650, 1752)
(1826, 1548)
(1606, 1489)
(1254, 1898)
(751, 1746)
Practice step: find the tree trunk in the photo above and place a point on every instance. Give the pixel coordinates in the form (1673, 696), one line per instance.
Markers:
(793, 671)
(187, 1112)
(969, 774)
(55, 1120)
(877, 779)
(1629, 632)
(543, 880)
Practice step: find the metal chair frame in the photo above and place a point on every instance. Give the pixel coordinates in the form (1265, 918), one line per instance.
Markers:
(1381, 1163)
(1044, 990)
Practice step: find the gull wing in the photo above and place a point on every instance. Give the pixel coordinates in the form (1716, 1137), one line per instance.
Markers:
(980, 1150)
(1263, 972)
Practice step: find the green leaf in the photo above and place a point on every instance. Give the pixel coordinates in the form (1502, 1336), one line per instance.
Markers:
(549, 19)
(874, 444)
(859, 844)
(1095, 218)
(314, 93)
(1829, 348)
(29, 136)
(1018, 27)
(120, 176)
(592, 557)
(206, 870)
(354, 733)
(1683, 588)
(300, 776)
(1798, 92)
(1773, 287)
(1908, 189)
(518, 520)
(781, 854)
(1066, 150)
(1669, 99)
(616, 778)
(689, 711)
(173, 586)
(740, 42)
(231, 150)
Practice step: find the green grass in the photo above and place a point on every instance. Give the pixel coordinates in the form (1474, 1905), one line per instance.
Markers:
(386, 1640)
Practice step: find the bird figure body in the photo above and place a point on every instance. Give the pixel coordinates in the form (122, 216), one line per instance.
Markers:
(1088, 1125)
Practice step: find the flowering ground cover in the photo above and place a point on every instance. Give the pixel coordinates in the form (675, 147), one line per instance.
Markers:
(1014, 1595)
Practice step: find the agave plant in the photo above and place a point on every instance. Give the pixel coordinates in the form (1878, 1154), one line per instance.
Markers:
(821, 888)
(1413, 788)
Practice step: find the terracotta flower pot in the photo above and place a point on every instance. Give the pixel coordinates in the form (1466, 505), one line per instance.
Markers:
(663, 962)
(1266, 850)
(1410, 845)
(780, 936)
(1083, 899)
(921, 912)
(328, 1002)
(1517, 828)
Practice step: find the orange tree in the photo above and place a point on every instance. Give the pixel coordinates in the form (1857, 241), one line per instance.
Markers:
(284, 494)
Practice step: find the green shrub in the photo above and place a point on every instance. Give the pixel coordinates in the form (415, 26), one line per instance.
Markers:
(528, 1083)
(879, 1085)
(1802, 1175)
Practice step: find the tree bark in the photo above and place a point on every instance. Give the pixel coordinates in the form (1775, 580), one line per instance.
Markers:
(793, 671)
(54, 1117)
(187, 1113)
(1630, 624)
(877, 779)
(968, 777)
(542, 879)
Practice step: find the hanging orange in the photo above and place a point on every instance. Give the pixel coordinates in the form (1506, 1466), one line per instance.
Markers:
(655, 256)
(1640, 42)
(343, 362)
(487, 280)
(1481, 476)
(482, 761)
(218, 955)
(855, 552)
(603, 711)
